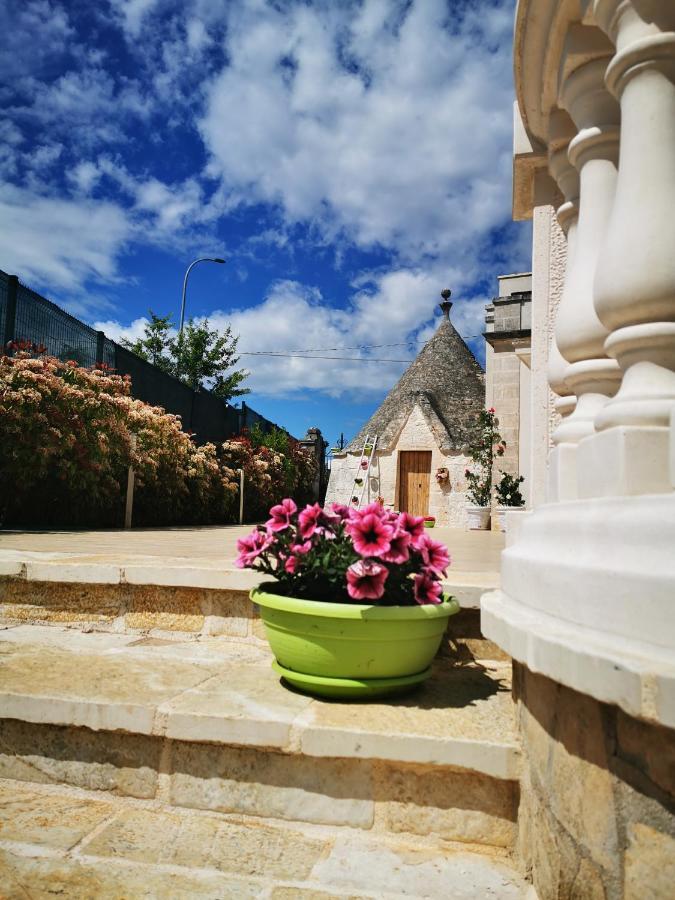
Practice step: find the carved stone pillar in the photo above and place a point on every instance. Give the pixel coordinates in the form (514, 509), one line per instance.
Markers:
(562, 462)
(593, 152)
(634, 291)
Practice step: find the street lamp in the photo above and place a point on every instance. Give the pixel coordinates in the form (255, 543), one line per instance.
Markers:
(185, 280)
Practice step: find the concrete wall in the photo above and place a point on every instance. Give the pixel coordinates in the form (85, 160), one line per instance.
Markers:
(447, 502)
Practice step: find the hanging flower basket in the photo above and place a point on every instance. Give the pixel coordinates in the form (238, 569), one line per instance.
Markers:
(357, 608)
(442, 475)
(429, 521)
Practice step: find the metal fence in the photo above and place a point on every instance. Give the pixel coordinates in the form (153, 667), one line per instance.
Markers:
(27, 315)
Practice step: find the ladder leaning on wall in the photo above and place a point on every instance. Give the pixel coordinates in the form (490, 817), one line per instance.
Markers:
(363, 471)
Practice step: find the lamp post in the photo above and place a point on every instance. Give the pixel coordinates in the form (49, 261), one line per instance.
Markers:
(185, 280)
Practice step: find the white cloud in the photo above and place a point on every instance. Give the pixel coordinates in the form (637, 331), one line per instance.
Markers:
(60, 243)
(385, 127)
(133, 13)
(118, 332)
(390, 308)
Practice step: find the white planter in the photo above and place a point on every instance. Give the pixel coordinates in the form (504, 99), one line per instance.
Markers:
(478, 517)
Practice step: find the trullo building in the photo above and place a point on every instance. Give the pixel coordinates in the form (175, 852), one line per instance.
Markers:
(423, 428)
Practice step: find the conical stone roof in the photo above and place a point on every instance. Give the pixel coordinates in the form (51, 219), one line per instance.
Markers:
(448, 385)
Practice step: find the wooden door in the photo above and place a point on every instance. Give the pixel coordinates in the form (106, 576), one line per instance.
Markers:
(414, 476)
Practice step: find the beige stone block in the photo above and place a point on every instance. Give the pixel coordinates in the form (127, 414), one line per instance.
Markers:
(50, 820)
(588, 884)
(95, 761)
(114, 691)
(243, 850)
(258, 629)
(454, 805)
(462, 716)
(228, 613)
(167, 608)
(649, 864)
(648, 750)
(356, 863)
(33, 601)
(298, 893)
(580, 787)
(549, 855)
(239, 705)
(91, 879)
(263, 783)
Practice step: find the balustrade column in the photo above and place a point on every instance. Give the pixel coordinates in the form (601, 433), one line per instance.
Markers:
(634, 291)
(593, 152)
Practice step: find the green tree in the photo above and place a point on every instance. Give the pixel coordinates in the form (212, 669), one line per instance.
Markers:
(201, 357)
(156, 343)
(205, 359)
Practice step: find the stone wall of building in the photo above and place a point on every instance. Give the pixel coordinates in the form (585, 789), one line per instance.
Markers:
(447, 501)
(597, 813)
(506, 401)
(549, 256)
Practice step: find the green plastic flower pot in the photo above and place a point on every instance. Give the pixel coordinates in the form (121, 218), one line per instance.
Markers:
(347, 650)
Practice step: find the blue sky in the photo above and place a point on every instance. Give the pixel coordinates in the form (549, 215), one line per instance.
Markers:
(349, 160)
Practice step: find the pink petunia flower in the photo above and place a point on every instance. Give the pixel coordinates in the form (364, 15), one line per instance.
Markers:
(291, 564)
(370, 534)
(434, 554)
(414, 525)
(374, 509)
(399, 548)
(365, 580)
(311, 519)
(301, 549)
(250, 548)
(427, 589)
(281, 515)
(340, 510)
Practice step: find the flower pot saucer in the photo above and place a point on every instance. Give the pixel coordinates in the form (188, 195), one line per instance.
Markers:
(349, 688)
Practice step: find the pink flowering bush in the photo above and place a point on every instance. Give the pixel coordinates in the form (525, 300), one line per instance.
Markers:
(66, 446)
(341, 555)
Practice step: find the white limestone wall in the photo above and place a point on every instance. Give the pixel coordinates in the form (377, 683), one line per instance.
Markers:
(447, 502)
(525, 432)
(549, 254)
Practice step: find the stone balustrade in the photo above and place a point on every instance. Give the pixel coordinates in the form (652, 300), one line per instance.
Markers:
(587, 603)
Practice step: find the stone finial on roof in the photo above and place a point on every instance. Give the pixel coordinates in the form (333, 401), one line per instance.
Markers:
(446, 304)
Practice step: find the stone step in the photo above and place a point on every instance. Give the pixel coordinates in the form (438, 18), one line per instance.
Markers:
(207, 724)
(167, 599)
(71, 843)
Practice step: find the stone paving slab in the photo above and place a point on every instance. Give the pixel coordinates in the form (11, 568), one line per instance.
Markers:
(463, 716)
(66, 843)
(204, 557)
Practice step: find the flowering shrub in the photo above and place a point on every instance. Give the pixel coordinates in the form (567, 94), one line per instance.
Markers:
(340, 554)
(269, 474)
(66, 446)
(508, 490)
(489, 446)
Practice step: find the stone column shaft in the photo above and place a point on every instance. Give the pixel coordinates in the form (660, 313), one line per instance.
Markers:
(634, 291)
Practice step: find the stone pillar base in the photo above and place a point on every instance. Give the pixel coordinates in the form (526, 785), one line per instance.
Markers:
(562, 473)
(624, 461)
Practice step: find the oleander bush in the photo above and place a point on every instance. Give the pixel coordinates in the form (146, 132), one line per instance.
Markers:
(66, 446)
